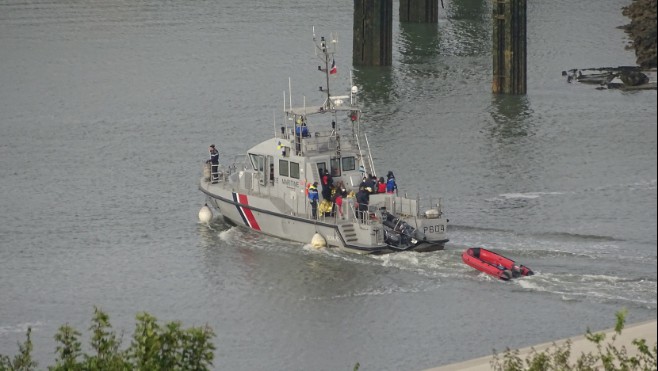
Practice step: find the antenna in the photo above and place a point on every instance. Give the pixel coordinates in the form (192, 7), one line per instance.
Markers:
(290, 90)
(334, 41)
(315, 50)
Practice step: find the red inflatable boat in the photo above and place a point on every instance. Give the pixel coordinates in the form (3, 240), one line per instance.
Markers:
(494, 264)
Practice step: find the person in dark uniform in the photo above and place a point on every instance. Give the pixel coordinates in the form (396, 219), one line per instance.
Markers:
(327, 182)
(363, 199)
(214, 163)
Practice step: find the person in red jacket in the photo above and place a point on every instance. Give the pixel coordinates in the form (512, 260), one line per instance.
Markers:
(381, 185)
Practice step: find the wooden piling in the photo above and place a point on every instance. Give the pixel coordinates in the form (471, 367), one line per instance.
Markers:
(373, 33)
(509, 46)
(419, 11)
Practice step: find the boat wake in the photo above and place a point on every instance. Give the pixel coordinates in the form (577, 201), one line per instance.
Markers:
(226, 235)
(570, 267)
(20, 327)
(528, 195)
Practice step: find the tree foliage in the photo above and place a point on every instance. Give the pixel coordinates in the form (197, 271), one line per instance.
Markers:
(156, 347)
(607, 357)
(153, 347)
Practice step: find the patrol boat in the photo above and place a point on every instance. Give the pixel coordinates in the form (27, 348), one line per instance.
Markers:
(267, 189)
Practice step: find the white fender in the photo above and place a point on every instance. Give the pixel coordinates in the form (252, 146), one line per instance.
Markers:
(205, 214)
(318, 241)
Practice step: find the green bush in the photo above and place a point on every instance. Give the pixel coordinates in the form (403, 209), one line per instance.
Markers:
(169, 347)
(557, 357)
(153, 347)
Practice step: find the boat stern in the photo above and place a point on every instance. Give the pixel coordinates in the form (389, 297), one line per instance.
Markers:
(431, 230)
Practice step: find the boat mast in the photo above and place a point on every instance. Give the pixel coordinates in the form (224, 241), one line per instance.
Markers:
(325, 54)
(323, 46)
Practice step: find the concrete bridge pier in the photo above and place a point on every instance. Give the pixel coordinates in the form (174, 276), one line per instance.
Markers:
(419, 11)
(509, 46)
(373, 33)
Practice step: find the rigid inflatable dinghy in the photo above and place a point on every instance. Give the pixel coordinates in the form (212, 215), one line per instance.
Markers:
(494, 264)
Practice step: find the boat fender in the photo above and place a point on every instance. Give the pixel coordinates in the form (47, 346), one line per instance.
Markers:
(318, 241)
(205, 214)
(432, 213)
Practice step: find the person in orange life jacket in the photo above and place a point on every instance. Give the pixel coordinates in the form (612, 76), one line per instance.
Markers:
(381, 185)
(313, 198)
(391, 186)
(214, 162)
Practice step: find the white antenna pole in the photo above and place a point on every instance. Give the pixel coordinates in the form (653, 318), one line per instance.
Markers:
(334, 41)
(352, 95)
(274, 122)
(290, 91)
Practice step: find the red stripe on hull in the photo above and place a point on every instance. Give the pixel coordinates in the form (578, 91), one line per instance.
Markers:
(247, 212)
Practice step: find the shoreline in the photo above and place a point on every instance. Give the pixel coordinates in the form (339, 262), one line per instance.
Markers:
(642, 31)
(579, 345)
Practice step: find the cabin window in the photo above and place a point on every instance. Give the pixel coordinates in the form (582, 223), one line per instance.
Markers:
(283, 168)
(294, 170)
(254, 161)
(321, 167)
(260, 167)
(261, 164)
(349, 163)
(335, 167)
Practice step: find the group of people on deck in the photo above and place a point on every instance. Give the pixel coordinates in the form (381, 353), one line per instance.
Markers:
(334, 194)
(380, 185)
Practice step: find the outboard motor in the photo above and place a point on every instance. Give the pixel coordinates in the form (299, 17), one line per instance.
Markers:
(401, 232)
(389, 219)
(391, 238)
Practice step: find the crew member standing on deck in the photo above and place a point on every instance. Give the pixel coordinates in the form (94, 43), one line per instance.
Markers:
(313, 199)
(391, 185)
(363, 199)
(214, 163)
(327, 182)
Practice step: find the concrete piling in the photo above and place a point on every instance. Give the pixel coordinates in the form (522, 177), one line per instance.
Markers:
(509, 47)
(419, 11)
(373, 33)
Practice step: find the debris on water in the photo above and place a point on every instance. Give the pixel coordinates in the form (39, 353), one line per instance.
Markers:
(624, 77)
